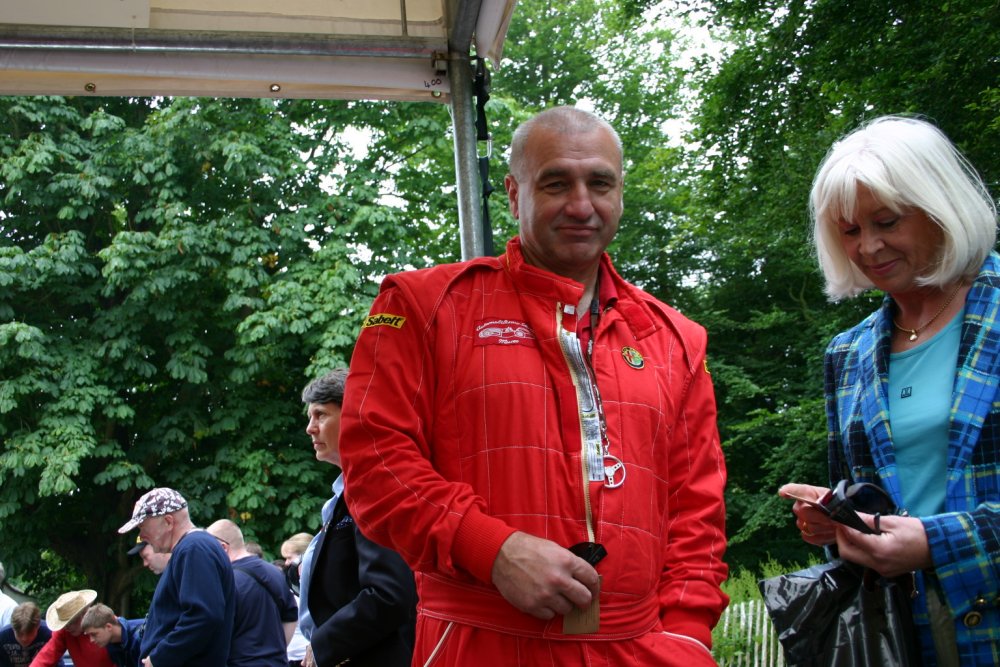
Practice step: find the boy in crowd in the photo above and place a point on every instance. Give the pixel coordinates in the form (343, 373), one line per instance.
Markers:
(24, 637)
(121, 637)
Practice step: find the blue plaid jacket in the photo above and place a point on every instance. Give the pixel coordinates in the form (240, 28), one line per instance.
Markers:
(965, 539)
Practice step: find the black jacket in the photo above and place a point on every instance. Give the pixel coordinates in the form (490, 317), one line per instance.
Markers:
(362, 598)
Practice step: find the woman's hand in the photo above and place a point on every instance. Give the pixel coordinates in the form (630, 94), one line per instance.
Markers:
(816, 527)
(900, 547)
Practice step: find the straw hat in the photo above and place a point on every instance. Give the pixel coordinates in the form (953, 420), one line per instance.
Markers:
(67, 606)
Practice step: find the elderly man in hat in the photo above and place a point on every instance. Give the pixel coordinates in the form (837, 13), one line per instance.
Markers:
(190, 619)
(65, 619)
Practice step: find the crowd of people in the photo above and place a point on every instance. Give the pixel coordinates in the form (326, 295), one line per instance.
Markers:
(332, 598)
(530, 467)
(217, 603)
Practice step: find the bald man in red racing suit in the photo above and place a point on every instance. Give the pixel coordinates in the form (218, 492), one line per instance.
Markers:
(500, 411)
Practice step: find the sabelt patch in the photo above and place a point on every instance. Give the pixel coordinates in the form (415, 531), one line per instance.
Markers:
(498, 331)
(384, 320)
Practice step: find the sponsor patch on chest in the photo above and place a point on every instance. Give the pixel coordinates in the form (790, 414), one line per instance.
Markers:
(497, 331)
(633, 358)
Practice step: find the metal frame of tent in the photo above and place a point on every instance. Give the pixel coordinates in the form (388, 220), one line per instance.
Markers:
(352, 49)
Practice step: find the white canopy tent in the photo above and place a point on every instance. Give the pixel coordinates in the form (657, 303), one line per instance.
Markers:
(418, 50)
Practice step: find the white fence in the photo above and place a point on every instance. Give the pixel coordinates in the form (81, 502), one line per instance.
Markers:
(749, 639)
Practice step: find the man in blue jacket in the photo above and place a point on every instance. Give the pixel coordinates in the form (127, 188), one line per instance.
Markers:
(190, 620)
(118, 635)
(265, 608)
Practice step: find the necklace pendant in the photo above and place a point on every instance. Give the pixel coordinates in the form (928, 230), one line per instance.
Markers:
(614, 472)
(913, 335)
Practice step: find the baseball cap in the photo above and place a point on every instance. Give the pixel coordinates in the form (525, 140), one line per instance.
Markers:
(140, 544)
(154, 503)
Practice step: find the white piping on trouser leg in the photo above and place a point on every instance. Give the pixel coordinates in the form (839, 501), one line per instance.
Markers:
(440, 644)
(688, 639)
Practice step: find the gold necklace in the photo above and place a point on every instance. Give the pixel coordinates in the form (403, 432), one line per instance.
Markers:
(916, 332)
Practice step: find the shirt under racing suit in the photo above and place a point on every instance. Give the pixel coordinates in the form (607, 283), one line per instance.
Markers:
(467, 417)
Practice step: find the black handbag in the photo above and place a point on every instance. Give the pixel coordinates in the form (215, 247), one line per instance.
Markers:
(840, 614)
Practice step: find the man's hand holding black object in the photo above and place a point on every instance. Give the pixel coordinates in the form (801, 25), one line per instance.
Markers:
(542, 578)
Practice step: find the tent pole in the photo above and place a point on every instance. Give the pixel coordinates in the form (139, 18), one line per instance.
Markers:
(466, 163)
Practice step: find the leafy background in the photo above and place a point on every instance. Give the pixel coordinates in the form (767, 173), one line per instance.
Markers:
(173, 271)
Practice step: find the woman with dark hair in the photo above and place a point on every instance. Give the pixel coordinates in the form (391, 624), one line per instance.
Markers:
(357, 598)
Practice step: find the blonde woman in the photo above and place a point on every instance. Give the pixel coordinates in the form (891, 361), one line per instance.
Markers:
(911, 391)
(292, 550)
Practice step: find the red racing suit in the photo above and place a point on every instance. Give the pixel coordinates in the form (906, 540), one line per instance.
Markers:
(461, 424)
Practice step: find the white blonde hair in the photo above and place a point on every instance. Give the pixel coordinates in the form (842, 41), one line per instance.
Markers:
(907, 163)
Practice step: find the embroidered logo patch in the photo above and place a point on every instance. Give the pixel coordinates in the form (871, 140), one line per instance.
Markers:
(384, 319)
(504, 332)
(633, 358)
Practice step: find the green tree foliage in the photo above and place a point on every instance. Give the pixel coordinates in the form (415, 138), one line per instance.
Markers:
(792, 78)
(172, 273)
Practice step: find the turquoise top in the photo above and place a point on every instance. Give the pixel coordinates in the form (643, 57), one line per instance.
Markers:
(921, 382)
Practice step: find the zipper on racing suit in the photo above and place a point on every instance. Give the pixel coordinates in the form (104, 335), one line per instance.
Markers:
(593, 429)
